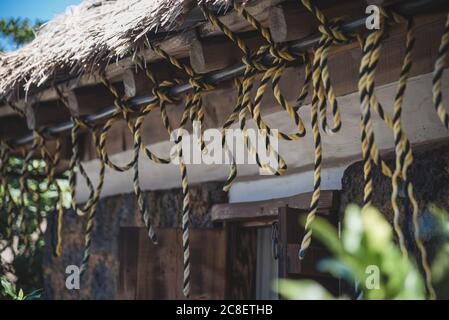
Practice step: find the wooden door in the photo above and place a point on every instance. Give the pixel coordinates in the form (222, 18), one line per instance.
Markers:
(149, 272)
(290, 237)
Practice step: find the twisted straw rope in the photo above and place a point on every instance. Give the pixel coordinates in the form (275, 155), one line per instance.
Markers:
(322, 92)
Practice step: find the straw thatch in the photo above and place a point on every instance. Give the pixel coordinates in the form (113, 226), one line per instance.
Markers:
(87, 36)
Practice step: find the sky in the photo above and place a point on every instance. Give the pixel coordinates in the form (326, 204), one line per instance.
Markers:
(43, 10)
(34, 9)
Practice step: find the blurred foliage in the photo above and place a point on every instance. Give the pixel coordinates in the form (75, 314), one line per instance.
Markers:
(10, 291)
(23, 248)
(366, 253)
(22, 231)
(19, 31)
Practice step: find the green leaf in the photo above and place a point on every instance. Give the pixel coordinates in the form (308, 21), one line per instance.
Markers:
(20, 295)
(378, 232)
(303, 290)
(8, 288)
(336, 268)
(413, 288)
(440, 265)
(352, 229)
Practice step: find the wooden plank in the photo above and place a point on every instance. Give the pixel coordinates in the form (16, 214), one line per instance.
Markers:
(309, 265)
(290, 236)
(160, 272)
(208, 263)
(128, 256)
(269, 208)
(158, 266)
(241, 269)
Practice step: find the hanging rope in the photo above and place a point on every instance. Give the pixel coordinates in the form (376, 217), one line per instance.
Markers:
(6, 201)
(440, 65)
(193, 104)
(51, 163)
(89, 209)
(404, 156)
(322, 93)
(316, 75)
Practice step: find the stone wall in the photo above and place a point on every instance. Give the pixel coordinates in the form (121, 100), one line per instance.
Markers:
(100, 280)
(430, 177)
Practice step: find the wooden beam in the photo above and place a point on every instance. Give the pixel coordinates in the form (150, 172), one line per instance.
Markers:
(210, 54)
(42, 114)
(292, 21)
(12, 126)
(91, 99)
(344, 68)
(218, 52)
(269, 208)
(237, 23)
(219, 103)
(177, 46)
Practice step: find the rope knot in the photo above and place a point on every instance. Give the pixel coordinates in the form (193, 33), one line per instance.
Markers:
(199, 83)
(162, 90)
(283, 54)
(121, 105)
(253, 61)
(333, 30)
(81, 122)
(38, 136)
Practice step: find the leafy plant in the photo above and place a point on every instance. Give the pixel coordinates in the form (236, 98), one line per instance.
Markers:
(9, 290)
(366, 254)
(19, 31)
(24, 264)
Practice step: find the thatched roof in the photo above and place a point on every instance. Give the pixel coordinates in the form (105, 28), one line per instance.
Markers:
(86, 36)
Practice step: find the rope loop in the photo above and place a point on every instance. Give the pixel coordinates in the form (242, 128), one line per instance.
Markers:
(333, 31)
(162, 90)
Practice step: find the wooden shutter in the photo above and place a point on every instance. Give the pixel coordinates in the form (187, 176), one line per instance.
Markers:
(150, 272)
(290, 236)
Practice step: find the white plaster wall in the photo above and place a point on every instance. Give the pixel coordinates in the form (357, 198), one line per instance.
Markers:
(420, 123)
(285, 186)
